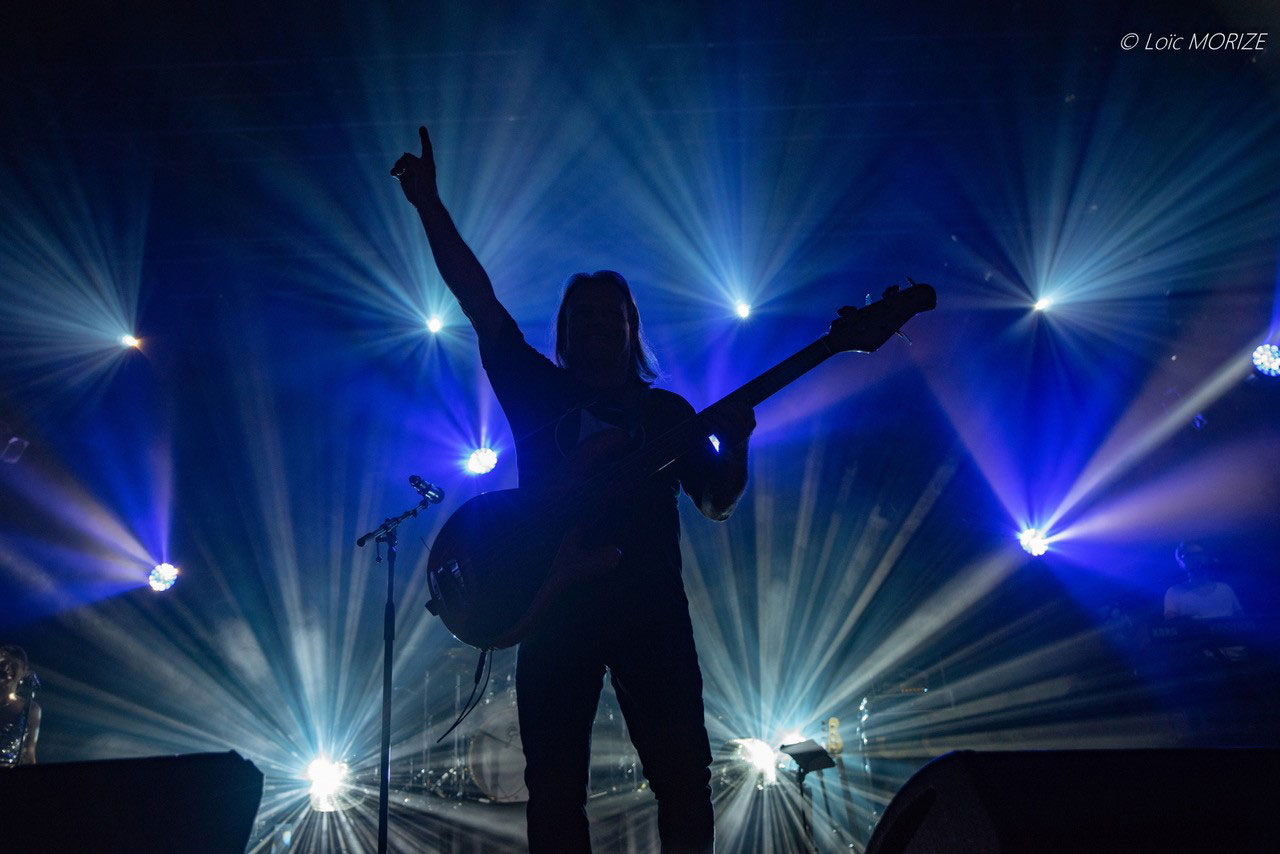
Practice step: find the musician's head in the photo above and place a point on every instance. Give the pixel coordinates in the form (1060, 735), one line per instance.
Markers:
(598, 330)
(1194, 559)
(13, 667)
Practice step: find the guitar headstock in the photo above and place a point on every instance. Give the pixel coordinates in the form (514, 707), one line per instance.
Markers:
(865, 329)
(835, 744)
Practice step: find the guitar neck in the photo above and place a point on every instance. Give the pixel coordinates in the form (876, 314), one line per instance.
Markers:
(779, 376)
(667, 448)
(864, 329)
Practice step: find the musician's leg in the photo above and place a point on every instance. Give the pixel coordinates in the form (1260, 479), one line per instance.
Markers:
(558, 682)
(659, 689)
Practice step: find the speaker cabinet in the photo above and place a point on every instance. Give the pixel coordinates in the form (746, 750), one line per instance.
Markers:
(203, 802)
(1087, 801)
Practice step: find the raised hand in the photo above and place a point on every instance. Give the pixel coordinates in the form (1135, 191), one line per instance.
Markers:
(417, 174)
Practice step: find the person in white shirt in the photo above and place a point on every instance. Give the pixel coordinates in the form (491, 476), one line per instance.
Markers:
(1200, 596)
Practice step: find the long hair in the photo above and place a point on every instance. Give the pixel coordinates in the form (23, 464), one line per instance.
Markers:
(643, 364)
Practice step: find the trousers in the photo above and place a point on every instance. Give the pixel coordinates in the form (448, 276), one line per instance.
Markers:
(654, 669)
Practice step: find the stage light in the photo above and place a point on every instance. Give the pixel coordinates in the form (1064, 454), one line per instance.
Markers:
(793, 737)
(163, 576)
(1033, 542)
(130, 341)
(482, 461)
(1266, 358)
(13, 449)
(760, 756)
(435, 324)
(1043, 304)
(743, 310)
(328, 783)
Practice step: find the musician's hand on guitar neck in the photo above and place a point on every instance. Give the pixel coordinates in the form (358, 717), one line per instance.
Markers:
(732, 422)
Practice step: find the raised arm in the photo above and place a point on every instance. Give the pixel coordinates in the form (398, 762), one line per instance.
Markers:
(458, 265)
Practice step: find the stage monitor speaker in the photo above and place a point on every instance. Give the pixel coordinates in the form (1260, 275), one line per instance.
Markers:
(1087, 801)
(202, 802)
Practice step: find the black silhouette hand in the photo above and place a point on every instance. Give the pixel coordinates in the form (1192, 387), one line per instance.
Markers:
(417, 174)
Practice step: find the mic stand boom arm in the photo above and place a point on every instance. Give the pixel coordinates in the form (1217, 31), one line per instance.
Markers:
(389, 525)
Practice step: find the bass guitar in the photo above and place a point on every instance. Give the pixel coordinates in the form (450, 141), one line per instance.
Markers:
(490, 568)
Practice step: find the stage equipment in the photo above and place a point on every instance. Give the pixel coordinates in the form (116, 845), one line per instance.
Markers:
(809, 757)
(1033, 542)
(26, 689)
(13, 449)
(1266, 358)
(486, 764)
(1086, 800)
(163, 576)
(482, 461)
(835, 749)
(130, 341)
(1043, 304)
(1208, 634)
(495, 754)
(330, 790)
(385, 534)
(13, 445)
(620, 770)
(202, 803)
(760, 756)
(490, 590)
(427, 490)
(743, 310)
(435, 324)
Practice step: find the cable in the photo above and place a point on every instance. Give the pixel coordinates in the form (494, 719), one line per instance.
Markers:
(470, 706)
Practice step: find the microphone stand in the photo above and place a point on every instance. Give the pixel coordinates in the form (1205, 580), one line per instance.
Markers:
(386, 533)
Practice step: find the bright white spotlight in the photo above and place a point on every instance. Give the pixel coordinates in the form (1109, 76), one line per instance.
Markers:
(1043, 304)
(328, 782)
(130, 341)
(482, 461)
(435, 324)
(743, 310)
(793, 737)
(760, 756)
(1033, 542)
(1266, 358)
(163, 576)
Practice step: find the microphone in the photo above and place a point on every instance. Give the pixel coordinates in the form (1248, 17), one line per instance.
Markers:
(429, 491)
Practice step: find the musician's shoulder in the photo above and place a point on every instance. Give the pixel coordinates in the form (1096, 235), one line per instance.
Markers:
(668, 406)
(668, 399)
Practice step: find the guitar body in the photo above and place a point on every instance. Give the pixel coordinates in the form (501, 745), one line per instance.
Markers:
(485, 571)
